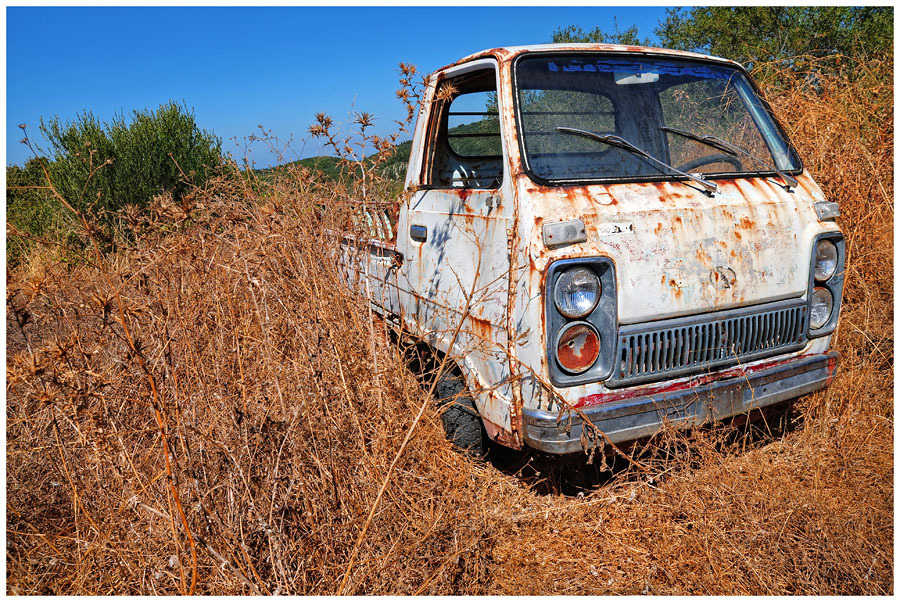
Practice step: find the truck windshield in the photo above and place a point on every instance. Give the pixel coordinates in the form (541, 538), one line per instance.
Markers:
(643, 100)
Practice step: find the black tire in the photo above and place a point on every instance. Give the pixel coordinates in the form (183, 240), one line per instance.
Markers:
(779, 418)
(462, 424)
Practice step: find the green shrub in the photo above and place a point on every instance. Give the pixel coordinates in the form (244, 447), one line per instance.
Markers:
(102, 168)
(127, 162)
(32, 212)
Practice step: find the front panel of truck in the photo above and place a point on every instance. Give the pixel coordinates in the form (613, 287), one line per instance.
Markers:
(672, 236)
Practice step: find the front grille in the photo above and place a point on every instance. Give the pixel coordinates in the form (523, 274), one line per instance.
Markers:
(670, 348)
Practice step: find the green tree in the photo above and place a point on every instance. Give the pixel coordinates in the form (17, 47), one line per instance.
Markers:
(760, 34)
(574, 33)
(126, 162)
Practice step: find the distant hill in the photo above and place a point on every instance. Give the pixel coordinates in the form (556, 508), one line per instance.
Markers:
(394, 167)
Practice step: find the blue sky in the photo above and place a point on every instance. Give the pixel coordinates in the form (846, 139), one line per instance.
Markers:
(243, 67)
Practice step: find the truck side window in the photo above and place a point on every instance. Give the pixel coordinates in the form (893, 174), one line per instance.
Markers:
(465, 148)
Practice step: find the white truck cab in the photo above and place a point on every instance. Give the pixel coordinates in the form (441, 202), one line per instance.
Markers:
(626, 236)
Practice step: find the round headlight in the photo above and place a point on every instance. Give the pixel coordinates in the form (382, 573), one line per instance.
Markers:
(820, 308)
(826, 260)
(577, 292)
(577, 347)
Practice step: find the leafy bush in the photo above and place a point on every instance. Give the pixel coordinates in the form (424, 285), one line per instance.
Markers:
(103, 168)
(127, 162)
(31, 211)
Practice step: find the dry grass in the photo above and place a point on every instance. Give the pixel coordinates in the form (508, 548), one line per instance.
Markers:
(254, 465)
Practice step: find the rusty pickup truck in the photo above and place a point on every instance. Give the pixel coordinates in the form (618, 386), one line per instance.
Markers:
(605, 239)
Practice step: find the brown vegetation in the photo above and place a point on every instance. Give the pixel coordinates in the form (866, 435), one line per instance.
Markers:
(202, 412)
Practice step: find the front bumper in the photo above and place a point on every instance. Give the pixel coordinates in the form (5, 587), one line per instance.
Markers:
(643, 415)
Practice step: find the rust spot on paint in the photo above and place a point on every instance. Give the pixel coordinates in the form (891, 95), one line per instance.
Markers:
(677, 220)
(658, 228)
(481, 328)
(501, 435)
(746, 223)
(733, 254)
(721, 244)
(737, 235)
(677, 289)
(703, 255)
(573, 194)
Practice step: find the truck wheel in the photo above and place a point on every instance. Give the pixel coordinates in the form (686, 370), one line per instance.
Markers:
(462, 424)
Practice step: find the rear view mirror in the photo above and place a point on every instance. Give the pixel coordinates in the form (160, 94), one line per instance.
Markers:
(624, 78)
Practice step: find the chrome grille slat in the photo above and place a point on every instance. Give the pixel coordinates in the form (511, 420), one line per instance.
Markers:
(697, 344)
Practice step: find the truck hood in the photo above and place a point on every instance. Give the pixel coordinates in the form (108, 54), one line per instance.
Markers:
(678, 251)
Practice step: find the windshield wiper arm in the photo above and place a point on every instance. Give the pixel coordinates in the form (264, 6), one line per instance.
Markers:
(618, 142)
(716, 142)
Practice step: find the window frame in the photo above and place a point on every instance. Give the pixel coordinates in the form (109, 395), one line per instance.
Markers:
(438, 117)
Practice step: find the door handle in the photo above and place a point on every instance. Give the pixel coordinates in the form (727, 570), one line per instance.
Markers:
(418, 233)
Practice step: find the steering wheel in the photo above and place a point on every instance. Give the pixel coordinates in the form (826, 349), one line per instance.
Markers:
(463, 177)
(709, 159)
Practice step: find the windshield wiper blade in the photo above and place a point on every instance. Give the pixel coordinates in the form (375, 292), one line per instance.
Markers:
(716, 142)
(618, 142)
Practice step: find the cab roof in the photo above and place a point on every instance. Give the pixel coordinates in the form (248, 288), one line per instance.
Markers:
(507, 53)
